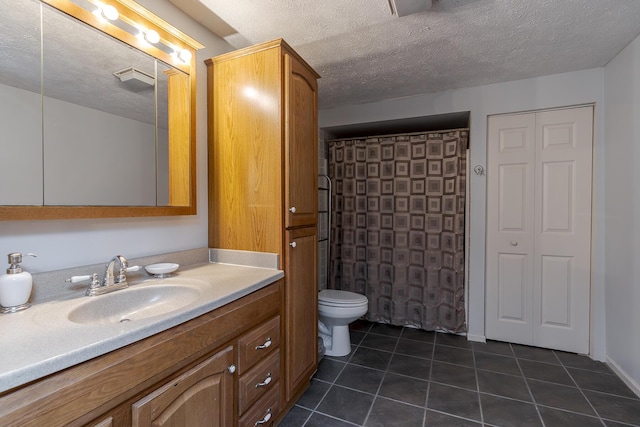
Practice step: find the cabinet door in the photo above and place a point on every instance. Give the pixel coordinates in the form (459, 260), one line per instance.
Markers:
(107, 422)
(201, 397)
(301, 305)
(245, 153)
(301, 144)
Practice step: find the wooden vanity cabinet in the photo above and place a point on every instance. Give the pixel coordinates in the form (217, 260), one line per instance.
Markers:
(263, 180)
(185, 376)
(201, 397)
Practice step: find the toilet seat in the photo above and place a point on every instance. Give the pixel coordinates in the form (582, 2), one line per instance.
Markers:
(336, 298)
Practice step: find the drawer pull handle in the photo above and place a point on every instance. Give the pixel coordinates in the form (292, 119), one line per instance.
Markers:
(264, 420)
(266, 381)
(266, 344)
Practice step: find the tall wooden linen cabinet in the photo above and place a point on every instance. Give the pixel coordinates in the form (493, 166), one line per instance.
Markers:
(263, 179)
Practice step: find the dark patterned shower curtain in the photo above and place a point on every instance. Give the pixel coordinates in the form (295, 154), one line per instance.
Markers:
(397, 233)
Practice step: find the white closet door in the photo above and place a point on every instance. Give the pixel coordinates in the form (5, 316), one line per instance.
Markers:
(539, 228)
(510, 225)
(563, 229)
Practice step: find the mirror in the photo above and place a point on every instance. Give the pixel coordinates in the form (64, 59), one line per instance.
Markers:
(97, 122)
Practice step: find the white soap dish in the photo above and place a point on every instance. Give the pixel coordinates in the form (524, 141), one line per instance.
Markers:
(162, 269)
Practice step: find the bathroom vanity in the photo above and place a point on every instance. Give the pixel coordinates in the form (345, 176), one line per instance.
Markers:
(215, 362)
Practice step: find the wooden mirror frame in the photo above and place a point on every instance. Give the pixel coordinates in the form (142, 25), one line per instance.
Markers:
(133, 12)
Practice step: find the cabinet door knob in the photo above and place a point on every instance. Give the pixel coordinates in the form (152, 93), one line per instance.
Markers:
(266, 344)
(231, 369)
(514, 243)
(264, 420)
(293, 244)
(266, 381)
(292, 209)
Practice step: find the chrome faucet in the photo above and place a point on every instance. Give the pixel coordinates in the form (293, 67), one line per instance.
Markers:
(109, 276)
(111, 282)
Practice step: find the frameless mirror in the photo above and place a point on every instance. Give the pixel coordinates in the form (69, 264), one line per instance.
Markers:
(96, 126)
(20, 104)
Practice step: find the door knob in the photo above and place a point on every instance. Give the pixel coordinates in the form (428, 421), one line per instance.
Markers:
(292, 209)
(293, 244)
(231, 369)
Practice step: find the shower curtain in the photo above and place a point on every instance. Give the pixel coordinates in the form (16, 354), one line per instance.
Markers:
(397, 233)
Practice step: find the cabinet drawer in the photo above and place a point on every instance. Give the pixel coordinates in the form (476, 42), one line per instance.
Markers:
(264, 411)
(257, 343)
(258, 381)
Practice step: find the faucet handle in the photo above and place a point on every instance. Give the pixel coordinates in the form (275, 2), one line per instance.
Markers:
(122, 277)
(76, 279)
(95, 283)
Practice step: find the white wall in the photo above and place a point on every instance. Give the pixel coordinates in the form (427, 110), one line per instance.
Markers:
(532, 94)
(622, 209)
(102, 158)
(20, 136)
(68, 243)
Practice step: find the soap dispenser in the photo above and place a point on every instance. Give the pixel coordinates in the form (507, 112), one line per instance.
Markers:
(15, 286)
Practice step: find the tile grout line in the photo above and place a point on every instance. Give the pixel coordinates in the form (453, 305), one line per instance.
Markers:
(579, 388)
(332, 383)
(384, 375)
(526, 383)
(426, 400)
(475, 371)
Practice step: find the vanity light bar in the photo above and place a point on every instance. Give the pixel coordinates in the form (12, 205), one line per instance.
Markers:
(109, 12)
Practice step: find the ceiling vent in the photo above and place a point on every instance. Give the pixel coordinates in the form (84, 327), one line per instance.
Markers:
(408, 7)
(135, 78)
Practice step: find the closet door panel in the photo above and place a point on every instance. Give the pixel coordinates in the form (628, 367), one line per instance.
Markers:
(564, 143)
(556, 290)
(510, 189)
(512, 287)
(557, 197)
(513, 197)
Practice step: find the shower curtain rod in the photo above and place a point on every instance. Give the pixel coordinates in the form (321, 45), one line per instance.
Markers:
(396, 134)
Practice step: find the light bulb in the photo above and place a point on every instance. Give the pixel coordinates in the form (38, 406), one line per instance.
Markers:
(106, 11)
(152, 36)
(110, 12)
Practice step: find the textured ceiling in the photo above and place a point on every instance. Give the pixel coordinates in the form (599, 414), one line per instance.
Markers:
(364, 53)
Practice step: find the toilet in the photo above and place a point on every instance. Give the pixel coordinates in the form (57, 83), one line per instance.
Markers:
(336, 310)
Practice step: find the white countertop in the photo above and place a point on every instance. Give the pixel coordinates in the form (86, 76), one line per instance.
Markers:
(42, 340)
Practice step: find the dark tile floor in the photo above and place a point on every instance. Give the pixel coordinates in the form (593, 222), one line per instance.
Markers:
(405, 377)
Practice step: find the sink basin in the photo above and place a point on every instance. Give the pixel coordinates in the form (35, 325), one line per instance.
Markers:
(134, 304)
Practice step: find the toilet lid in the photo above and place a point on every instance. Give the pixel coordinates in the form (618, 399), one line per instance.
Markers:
(335, 297)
